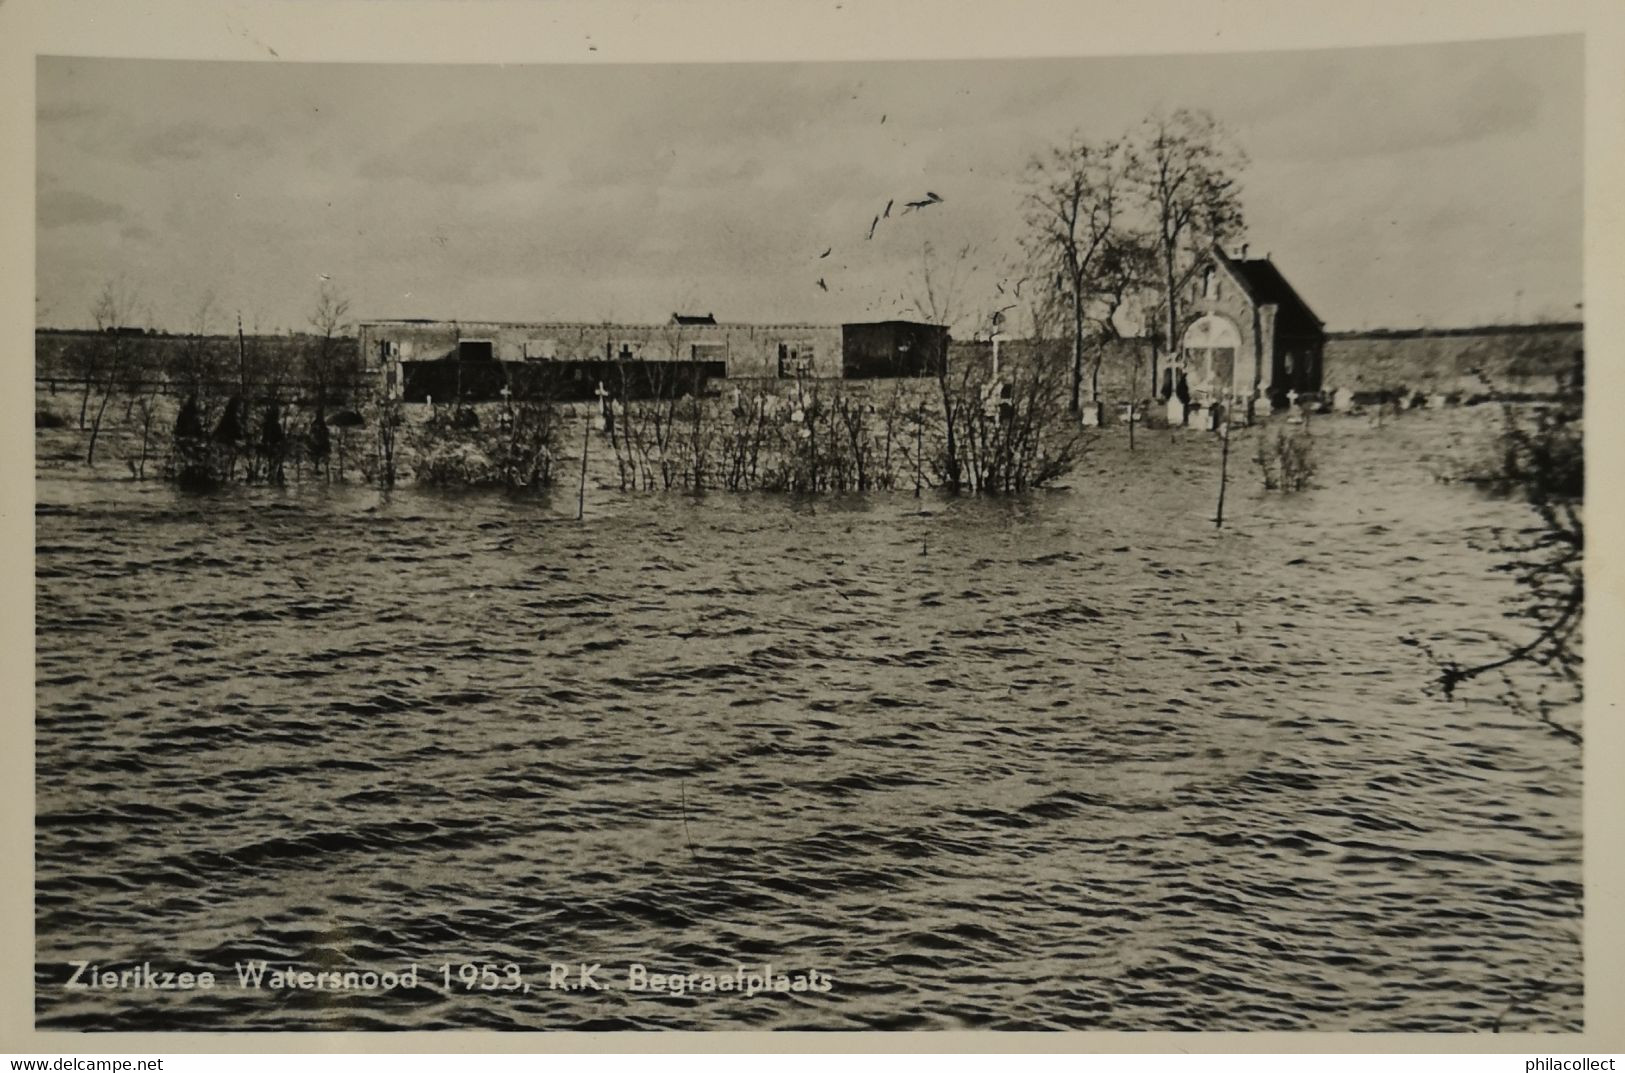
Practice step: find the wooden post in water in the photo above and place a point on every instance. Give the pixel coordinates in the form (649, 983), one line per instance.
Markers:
(581, 494)
(242, 360)
(919, 439)
(1224, 468)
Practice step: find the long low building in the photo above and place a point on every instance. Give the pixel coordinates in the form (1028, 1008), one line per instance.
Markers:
(423, 359)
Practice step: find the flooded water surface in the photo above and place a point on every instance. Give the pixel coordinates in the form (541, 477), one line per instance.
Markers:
(1074, 760)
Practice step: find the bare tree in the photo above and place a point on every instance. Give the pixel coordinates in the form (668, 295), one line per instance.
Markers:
(83, 359)
(142, 382)
(263, 366)
(1076, 203)
(937, 293)
(192, 360)
(1127, 268)
(327, 362)
(120, 345)
(1186, 170)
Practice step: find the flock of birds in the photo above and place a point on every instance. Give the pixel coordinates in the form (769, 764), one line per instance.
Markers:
(917, 204)
(1006, 287)
(931, 198)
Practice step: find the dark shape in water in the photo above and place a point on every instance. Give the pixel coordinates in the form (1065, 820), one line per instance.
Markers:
(191, 464)
(272, 436)
(189, 422)
(273, 443)
(230, 429)
(320, 442)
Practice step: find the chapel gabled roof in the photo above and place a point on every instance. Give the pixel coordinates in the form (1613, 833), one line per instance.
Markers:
(1265, 285)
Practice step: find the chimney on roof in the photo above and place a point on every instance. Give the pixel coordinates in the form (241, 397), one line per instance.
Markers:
(1242, 253)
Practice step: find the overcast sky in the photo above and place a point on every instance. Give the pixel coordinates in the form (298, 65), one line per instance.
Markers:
(1428, 185)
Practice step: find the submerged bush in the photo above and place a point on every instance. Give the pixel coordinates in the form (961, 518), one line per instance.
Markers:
(960, 433)
(1542, 452)
(522, 444)
(1286, 461)
(1008, 435)
(956, 431)
(515, 447)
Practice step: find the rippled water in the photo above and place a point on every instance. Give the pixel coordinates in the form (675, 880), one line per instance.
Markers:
(1071, 761)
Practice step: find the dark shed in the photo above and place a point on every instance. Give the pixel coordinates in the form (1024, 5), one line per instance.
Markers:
(892, 348)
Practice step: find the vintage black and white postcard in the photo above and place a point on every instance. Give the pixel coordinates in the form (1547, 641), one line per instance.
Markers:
(951, 539)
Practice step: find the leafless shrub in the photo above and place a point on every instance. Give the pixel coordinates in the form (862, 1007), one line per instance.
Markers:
(523, 447)
(745, 434)
(1286, 460)
(117, 357)
(385, 417)
(645, 429)
(146, 406)
(1011, 434)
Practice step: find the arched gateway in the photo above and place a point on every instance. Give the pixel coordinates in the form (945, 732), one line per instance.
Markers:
(1207, 354)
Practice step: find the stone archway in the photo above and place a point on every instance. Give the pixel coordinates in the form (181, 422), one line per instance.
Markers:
(1207, 356)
